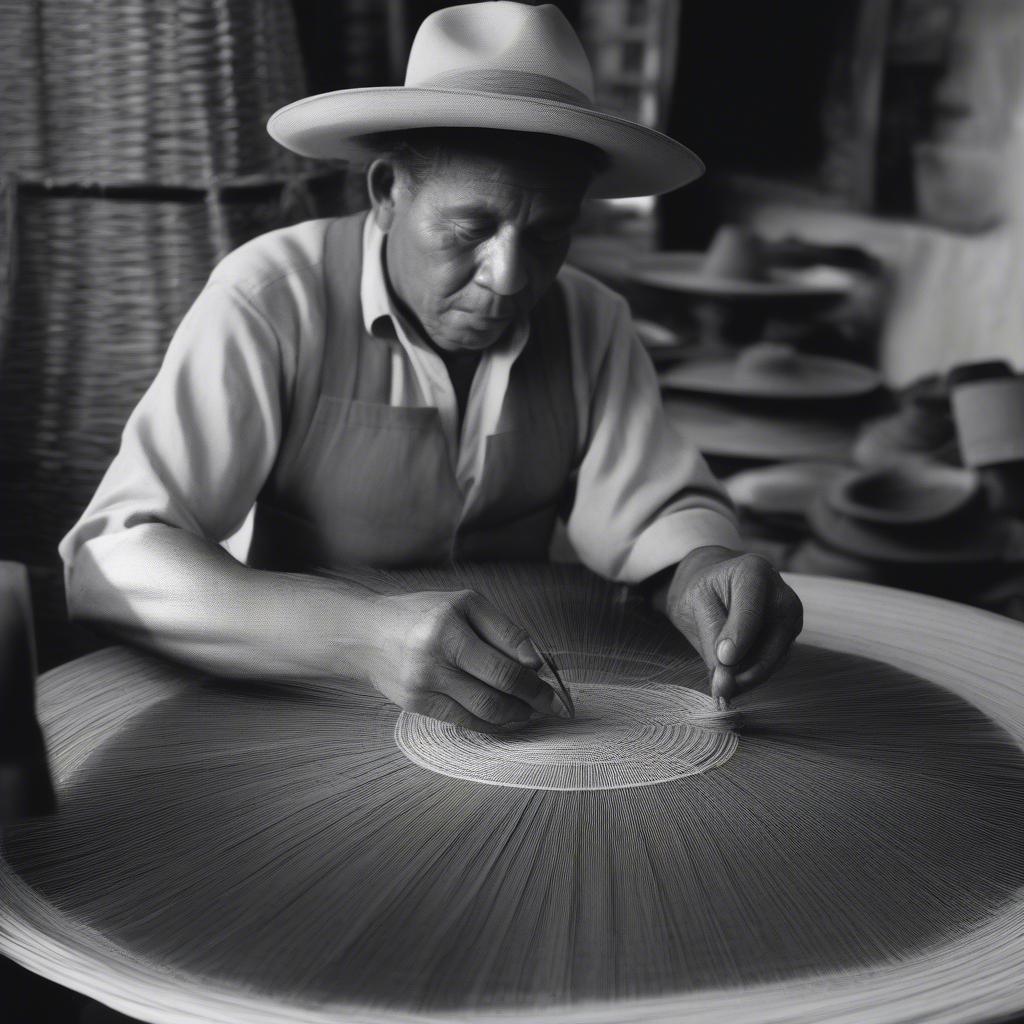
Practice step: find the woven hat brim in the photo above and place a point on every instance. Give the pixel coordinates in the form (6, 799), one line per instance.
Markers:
(784, 489)
(330, 126)
(821, 378)
(990, 541)
(682, 272)
(717, 429)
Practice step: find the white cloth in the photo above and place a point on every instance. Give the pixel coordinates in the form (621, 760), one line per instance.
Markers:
(201, 443)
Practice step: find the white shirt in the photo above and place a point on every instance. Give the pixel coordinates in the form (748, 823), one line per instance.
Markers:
(198, 448)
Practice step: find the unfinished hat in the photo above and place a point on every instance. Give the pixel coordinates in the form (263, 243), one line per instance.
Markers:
(255, 851)
(502, 65)
(773, 370)
(735, 267)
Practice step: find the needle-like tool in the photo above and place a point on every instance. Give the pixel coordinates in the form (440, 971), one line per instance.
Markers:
(562, 689)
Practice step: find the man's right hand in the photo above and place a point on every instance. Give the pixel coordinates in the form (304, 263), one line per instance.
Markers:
(455, 657)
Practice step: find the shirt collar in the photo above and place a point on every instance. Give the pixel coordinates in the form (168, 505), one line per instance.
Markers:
(379, 317)
(373, 288)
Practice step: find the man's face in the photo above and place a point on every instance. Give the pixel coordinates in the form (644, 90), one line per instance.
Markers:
(476, 244)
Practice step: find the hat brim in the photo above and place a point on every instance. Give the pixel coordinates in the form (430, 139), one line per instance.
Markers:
(992, 540)
(332, 126)
(683, 272)
(819, 378)
(719, 430)
(786, 489)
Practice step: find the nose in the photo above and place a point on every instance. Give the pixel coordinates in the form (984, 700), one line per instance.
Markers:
(503, 267)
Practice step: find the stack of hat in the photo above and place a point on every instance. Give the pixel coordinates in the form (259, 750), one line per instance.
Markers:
(735, 271)
(774, 502)
(921, 429)
(987, 401)
(734, 292)
(771, 403)
(757, 400)
(919, 525)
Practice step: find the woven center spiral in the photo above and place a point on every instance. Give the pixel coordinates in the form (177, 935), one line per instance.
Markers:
(623, 735)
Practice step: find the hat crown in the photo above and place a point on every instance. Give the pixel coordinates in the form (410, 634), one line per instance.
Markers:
(484, 38)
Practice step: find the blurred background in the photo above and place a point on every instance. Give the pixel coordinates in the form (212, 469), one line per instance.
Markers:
(836, 310)
(852, 261)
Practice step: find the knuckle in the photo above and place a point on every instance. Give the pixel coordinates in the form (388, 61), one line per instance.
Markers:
(435, 706)
(505, 674)
(756, 565)
(492, 708)
(463, 600)
(425, 633)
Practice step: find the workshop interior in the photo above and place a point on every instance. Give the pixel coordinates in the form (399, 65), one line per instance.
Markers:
(833, 316)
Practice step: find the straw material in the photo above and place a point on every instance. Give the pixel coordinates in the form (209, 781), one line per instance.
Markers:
(264, 852)
(127, 92)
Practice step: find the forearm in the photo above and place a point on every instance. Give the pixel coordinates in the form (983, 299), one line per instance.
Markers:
(179, 595)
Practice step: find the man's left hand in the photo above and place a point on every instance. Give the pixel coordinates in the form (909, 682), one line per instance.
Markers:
(737, 612)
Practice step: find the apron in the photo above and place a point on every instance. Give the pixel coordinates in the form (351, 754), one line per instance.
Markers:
(368, 483)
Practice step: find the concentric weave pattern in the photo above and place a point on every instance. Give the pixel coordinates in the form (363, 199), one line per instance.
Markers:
(622, 736)
(247, 852)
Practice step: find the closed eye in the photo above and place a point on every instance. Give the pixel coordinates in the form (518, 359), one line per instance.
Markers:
(472, 231)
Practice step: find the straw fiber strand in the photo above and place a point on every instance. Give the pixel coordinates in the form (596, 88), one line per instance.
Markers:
(256, 852)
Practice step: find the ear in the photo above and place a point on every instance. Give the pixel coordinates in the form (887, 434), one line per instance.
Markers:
(382, 185)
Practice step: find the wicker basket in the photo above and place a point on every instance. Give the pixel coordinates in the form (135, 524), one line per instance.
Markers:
(98, 286)
(121, 92)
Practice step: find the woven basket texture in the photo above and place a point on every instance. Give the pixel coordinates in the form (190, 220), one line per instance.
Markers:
(97, 288)
(122, 92)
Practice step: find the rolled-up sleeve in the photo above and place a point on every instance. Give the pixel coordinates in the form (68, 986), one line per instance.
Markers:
(199, 445)
(645, 497)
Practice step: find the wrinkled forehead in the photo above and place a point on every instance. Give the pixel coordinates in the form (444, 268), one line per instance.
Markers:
(497, 180)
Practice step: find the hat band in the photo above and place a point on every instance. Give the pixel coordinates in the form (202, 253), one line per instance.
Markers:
(508, 82)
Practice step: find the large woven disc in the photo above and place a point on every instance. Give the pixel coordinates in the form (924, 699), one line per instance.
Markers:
(261, 852)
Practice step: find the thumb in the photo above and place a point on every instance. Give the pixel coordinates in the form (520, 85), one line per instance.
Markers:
(708, 612)
(746, 599)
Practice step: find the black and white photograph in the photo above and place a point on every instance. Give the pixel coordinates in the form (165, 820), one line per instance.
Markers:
(512, 512)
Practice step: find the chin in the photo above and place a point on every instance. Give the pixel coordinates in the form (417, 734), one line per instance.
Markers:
(470, 341)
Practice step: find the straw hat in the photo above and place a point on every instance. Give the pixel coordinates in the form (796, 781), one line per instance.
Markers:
(722, 430)
(786, 489)
(904, 495)
(735, 267)
(501, 65)
(773, 370)
(984, 539)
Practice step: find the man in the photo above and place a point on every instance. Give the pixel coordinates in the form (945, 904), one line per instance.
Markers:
(420, 385)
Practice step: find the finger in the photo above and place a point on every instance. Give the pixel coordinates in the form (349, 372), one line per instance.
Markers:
(749, 586)
(499, 653)
(446, 709)
(500, 632)
(482, 701)
(775, 642)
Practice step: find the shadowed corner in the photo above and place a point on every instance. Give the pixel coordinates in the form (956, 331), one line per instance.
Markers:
(26, 788)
